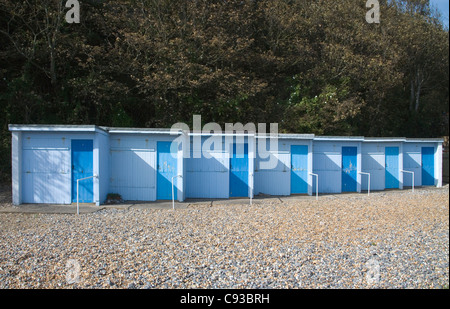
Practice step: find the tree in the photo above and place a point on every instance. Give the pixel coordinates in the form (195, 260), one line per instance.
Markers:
(311, 66)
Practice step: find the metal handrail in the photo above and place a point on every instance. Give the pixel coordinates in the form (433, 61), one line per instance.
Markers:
(368, 188)
(251, 189)
(78, 184)
(317, 185)
(403, 171)
(173, 196)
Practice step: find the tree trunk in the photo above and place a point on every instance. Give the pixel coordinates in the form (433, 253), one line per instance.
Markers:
(411, 99)
(52, 65)
(418, 88)
(416, 108)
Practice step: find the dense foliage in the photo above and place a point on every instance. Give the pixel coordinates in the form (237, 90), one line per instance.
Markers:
(312, 66)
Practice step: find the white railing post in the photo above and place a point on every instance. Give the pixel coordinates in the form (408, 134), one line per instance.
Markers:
(251, 189)
(78, 186)
(78, 204)
(412, 173)
(173, 195)
(368, 188)
(317, 185)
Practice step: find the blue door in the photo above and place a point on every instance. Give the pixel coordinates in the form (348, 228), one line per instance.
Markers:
(167, 168)
(349, 169)
(427, 166)
(82, 167)
(299, 169)
(392, 168)
(239, 171)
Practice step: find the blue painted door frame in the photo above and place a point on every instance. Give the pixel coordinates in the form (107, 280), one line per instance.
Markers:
(166, 169)
(239, 171)
(427, 166)
(299, 169)
(82, 167)
(392, 171)
(349, 169)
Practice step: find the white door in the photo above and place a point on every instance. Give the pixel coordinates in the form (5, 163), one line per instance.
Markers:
(46, 171)
(132, 171)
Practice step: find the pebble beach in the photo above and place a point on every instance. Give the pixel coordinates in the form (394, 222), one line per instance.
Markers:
(388, 240)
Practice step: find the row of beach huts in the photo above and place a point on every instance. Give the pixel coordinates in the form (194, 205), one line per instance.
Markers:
(49, 163)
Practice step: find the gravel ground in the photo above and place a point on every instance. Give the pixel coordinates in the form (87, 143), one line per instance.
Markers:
(391, 240)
